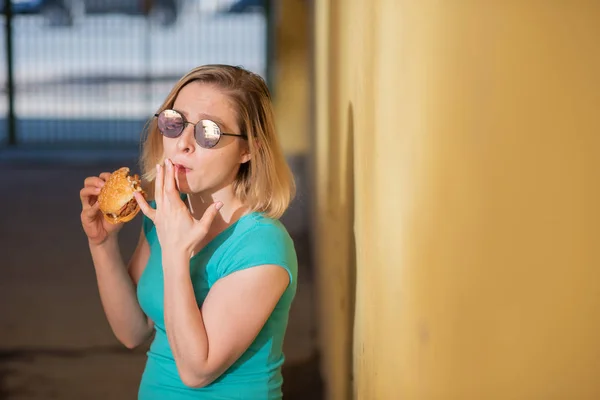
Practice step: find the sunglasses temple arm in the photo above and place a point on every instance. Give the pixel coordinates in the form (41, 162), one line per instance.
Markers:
(233, 134)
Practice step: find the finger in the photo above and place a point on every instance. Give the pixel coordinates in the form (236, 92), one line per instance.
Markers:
(159, 185)
(89, 214)
(86, 195)
(93, 181)
(144, 206)
(203, 225)
(170, 188)
(105, 175)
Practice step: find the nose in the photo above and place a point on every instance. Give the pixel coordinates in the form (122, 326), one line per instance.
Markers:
(186, 142)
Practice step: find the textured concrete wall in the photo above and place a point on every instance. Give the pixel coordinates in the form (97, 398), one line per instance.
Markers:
(457, 148)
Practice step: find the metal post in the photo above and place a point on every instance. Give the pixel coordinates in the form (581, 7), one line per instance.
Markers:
(148, 90)
(12, 134)
(270, 16)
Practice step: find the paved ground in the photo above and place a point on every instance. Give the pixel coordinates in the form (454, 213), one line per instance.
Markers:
(54, 339)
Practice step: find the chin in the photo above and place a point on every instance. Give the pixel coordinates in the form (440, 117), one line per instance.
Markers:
(197, 186)
(185, 188)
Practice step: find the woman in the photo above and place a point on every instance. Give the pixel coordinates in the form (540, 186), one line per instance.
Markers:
(214, 272)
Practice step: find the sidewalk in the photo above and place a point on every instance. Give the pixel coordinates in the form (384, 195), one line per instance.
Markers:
(55, 342)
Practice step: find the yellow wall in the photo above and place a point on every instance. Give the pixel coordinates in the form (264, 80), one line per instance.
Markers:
(460, 141)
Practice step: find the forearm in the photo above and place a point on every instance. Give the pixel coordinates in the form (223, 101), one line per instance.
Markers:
(184, 323)
(118, 296)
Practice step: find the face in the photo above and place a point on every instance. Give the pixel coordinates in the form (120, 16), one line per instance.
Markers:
(203, 170)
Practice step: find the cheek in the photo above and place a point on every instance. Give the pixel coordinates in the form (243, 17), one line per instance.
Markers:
(168, 147)
(170, 143)
(214, 163)
(204, 161)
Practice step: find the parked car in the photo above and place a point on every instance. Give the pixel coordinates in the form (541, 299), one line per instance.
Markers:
(65, 12)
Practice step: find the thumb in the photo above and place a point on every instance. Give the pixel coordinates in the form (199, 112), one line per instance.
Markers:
(203, 225)
(144, 206)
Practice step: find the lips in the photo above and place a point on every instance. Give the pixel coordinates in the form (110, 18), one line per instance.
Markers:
(181, 167)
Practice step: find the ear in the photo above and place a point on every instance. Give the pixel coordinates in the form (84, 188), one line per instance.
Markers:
(245, 154)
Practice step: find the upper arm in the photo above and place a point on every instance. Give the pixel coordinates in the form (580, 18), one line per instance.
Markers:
(235, 310)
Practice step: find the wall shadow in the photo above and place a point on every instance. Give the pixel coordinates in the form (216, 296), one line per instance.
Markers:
(349, 195)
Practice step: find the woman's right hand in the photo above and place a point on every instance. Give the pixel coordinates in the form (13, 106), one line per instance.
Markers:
(95, 226)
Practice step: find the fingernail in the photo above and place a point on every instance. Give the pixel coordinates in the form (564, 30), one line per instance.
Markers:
(218, 206)
(157, 167)
(169, 163)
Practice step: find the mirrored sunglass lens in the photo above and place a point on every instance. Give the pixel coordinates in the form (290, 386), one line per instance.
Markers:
(207, 134)
(170, 123)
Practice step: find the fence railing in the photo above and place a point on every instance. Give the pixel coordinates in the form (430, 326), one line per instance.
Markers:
(91, 73)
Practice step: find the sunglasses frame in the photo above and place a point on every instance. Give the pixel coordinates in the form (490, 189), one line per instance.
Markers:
(195, 125)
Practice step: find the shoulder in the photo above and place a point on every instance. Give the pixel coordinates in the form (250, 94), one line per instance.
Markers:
(256, 232)
(257, 223)
(260, 240)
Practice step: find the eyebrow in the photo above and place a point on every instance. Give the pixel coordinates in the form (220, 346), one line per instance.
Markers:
(213, 118)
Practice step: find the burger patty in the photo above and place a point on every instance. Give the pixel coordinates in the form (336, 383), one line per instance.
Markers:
(128, 208)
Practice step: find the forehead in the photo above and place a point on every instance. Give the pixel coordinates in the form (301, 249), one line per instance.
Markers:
(198, 100)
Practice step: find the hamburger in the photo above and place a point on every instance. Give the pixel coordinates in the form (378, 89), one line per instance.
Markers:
(116, 200)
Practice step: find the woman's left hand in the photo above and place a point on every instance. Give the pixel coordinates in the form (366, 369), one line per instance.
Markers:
(178, 231)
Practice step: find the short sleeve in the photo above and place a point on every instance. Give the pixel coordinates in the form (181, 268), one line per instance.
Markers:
(263, 244)
(147, 224)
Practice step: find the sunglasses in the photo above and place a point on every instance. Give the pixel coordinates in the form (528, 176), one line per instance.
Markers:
(171, 124)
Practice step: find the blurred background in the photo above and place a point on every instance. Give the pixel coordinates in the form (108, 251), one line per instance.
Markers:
(79, 80)
(447, 160)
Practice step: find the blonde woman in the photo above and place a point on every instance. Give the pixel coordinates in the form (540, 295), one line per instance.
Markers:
(214, 273)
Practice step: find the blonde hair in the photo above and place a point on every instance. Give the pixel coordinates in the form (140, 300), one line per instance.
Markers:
(265, 183)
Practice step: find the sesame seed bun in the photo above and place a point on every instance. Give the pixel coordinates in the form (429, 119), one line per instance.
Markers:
(116, 199)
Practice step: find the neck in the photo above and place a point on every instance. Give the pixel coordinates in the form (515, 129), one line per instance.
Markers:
(231, 211)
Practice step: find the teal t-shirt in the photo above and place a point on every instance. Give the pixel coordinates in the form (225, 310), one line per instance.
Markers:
(251, 241)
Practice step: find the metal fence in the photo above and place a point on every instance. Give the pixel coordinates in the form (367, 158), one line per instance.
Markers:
(91, 72)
